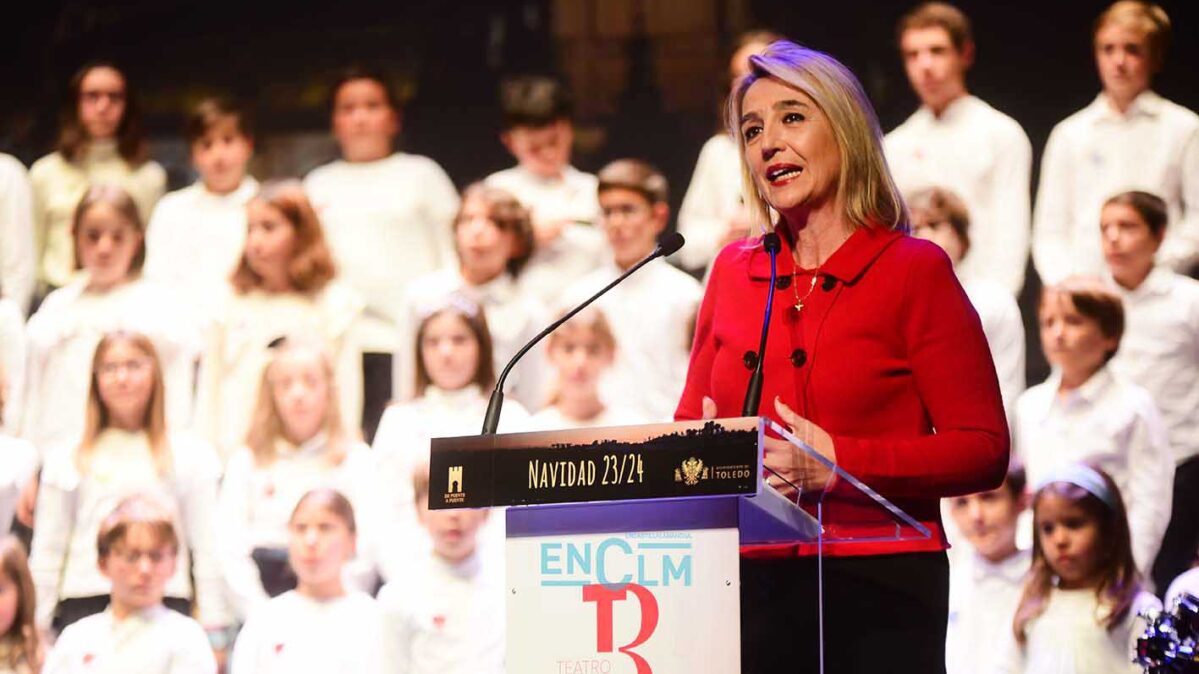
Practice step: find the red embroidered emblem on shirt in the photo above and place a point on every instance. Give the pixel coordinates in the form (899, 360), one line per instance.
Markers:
(439, 621)
(88, 657)
(278, 648)
(268, 490)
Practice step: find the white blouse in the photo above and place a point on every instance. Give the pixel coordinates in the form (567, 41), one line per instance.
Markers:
(156, 640)
(71, 507)
(17, 264)
(551, 419)
(62, 338)
(712, 200)
(12, 363)
(983, 596)
(18, 463)
(237, 350)
(1004, 329)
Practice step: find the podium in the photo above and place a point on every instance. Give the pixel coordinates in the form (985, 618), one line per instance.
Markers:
(623, 543)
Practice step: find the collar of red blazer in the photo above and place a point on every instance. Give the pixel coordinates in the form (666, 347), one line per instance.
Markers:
(847, 264)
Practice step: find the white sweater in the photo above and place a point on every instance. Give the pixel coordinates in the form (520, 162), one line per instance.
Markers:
(58, 185)
(17, 264)
(154, 641)
(256, 503)
(237, 349)
(195, 240)
(387, 222)
(294, 634)
(63, 335)
(71, 506)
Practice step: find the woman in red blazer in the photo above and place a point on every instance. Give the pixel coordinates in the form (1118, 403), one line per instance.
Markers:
(875, 357)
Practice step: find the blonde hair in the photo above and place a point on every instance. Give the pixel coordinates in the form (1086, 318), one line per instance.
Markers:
(266, 427)
(1147, 18)
(592, 320)
(139, 510)
(331, 501)
(121, 202)
(20, 648)
(97, 416)
(865, 186)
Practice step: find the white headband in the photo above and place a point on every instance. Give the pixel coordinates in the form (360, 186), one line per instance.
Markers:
(1084, 476)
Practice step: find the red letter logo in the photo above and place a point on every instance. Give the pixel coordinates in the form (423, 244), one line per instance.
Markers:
(603, 598)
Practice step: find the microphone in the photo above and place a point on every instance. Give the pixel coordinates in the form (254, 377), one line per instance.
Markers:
(667, 245)
(753, 392)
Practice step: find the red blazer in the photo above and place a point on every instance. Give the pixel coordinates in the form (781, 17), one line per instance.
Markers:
(888, 356)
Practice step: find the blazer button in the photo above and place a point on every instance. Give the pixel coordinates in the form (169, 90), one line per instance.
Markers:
(828, 284)
(799, 357)
(750, 359)
(782, 283)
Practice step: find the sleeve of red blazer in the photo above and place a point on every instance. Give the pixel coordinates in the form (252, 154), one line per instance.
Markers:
(703, 351)
(955, 379)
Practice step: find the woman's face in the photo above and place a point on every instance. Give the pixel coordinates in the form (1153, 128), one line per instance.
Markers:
(125, 379)
(450, 351)
(270, 241)
(1069, 537)
(1072, 341)
(319, 545)
(1129, 245)
(301, 391)
(101, 102)
(107, 243)
(483, 248)
(789, 147)
(579, 357)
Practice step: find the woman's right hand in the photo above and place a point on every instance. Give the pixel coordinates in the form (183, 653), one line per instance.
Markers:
(709, 408)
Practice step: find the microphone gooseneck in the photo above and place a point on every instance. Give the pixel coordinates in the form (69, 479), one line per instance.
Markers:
(753, 392)
(667, 245)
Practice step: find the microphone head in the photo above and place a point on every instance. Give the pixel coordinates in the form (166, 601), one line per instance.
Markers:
(770, 241)
(670, 243)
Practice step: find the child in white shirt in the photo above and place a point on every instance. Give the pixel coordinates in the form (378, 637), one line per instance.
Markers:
(321, 626)
(136, 549)
(17, 264)
(20, 641)
(1078, 611)
(447, 615)
(298, 442)
(196, 234)
(538, 132)
(12, 364)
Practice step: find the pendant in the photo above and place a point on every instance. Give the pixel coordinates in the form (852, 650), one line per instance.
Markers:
(798, 306)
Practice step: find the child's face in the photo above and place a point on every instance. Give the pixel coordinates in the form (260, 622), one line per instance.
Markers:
(483, 248)
(125, 379)
(543, 150)
(270, 240)
(101, 102)
(450, 351)
(319, 545)
(107, 244)
(988, 521)
(10, 599)
(1128, 243)
(632, 224)
(1069, 537)
(939, 232)
(221, 155)
(453, 532)
(138, 567)
(1122, 57)
(1071, 341)
(364, 123)
(579, 357)
(301, 392)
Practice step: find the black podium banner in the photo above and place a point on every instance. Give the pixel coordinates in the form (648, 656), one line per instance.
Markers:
(701, 458)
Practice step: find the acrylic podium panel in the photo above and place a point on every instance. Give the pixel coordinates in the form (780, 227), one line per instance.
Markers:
(623, 542)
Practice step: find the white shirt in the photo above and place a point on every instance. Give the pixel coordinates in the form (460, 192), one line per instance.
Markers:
(712, 200)
(1097, 153)
(156, 640)
(195, 240)
(1068, 638)
(295, 634)
(71, 507)
(387, 222)
(1112, 423)
(1160, 351)
(62, 338)
(1004, 330)
(17, 264)
(551, 419)
(983, 596)
(651, 313)
(447, 618)
(579, 249)
(984, 157)
(256, 503)
(513, 318)
(237, 349)
(18, 462)
(12, 363)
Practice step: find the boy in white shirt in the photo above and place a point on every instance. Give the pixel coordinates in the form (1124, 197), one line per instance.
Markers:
(539, 133)
(651, 312)
(196, 234)
(447, 616)
(137, 548)
(386, 216)
(985, 580)
(958, 141)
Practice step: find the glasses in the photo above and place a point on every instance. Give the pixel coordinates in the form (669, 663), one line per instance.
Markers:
(133, 367)
(132, 557)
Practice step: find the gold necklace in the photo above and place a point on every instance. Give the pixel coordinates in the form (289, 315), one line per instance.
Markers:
(795, 286)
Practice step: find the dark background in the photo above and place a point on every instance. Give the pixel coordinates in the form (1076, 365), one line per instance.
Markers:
(648, 82)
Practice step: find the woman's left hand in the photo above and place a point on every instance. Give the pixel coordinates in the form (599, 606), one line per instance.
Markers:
(793, 464)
